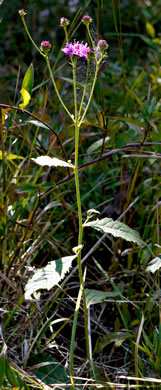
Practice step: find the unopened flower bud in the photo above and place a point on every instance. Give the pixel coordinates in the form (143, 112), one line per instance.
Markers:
(22, 12)
(86, 20)
(103, 45)
(64, 22)
(45, 46)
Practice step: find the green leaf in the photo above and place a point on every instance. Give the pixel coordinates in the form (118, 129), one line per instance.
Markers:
(115, 337)
(134, 122)
(116, 228)
(51, 162)
(12, 376)
(28, 80)
(96, 296)
(51, 371)
(154, 264)
(150, 30)
(25, 98)
(27, 188)
(38, 124)
(49, 276)
(139, 101)
(97, 145)
(3, 363)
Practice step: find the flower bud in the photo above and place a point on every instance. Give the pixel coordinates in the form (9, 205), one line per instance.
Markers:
(64, 22)
(86, 20)
(22, 12)
(103, 45)
(45, 46)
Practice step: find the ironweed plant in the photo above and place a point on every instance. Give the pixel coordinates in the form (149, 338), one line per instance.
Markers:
(50, 275)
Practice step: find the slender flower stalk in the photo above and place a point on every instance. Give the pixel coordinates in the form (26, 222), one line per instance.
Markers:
(56, 89)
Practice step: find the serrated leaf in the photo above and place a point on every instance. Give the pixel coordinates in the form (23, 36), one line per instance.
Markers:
(154, 265)
(28, 80)
(96, 296)
(116, 228)
(150, 30)
(51, 162)
(25, 98)
(97, 145)
(49, 276)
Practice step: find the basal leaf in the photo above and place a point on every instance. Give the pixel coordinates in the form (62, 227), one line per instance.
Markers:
(51, 162)
(49, 276)
(117, 229)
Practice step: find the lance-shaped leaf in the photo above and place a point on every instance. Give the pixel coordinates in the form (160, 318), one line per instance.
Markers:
(52, 162)
(49, 276)
(28, 80)
(27, 86)
(116, 228)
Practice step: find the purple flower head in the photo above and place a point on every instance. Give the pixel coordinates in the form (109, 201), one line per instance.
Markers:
(45, 46)
(64, 22)
(86, 20)
(76, 49)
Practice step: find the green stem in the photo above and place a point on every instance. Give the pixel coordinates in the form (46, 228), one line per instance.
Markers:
(79, 213)
(56, 89)
(27, 31)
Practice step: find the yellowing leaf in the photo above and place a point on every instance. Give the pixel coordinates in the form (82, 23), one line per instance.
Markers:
(150, 30)
(11, 156)
(25, 98)
(4, 114)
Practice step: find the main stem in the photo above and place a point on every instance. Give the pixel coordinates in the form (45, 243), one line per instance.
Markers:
(79, 208)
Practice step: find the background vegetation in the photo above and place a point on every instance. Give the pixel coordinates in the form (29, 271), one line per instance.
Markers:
(120, 179)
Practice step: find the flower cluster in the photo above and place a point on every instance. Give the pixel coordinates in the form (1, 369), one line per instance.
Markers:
(76, 49)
